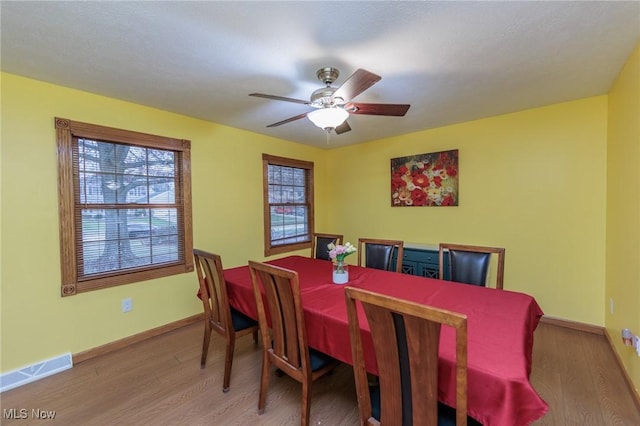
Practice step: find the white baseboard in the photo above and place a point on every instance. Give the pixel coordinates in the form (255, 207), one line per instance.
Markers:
(37, 371)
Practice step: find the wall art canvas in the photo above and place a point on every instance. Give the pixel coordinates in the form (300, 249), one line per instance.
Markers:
(425, 180)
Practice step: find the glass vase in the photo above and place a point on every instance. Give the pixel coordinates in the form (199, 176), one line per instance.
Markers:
(340, 272)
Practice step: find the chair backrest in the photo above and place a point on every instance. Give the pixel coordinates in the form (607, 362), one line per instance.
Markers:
(408, 369)
(287, 344)
(212, 284)
(470, 264)
(319, 244)
(378, 253)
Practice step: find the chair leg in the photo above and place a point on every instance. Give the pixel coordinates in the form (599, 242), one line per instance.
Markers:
(205, 345)
(264, 382)
(228, 362)
(306, 402)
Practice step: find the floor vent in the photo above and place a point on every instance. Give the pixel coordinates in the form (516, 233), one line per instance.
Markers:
(37, 371)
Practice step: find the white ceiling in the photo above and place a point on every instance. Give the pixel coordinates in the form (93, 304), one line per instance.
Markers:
(452, 61)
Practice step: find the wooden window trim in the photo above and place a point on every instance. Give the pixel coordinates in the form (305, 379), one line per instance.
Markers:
(267, 159)
(66, 131)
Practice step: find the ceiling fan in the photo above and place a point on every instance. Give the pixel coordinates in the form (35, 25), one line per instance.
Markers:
(333, 105)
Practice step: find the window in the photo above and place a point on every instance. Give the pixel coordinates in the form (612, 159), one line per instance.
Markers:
(125, 206)
(288, 204)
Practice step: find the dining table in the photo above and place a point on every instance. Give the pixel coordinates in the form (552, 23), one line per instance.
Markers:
(500, 331)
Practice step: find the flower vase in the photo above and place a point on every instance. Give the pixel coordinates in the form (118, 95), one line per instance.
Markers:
(340, 272)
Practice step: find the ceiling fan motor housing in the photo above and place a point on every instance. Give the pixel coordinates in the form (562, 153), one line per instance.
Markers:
(323, 97)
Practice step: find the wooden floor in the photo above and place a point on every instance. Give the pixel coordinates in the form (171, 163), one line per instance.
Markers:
(159, 382)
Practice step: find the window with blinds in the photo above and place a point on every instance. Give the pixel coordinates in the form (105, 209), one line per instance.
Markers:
(288, 189)
(130, 211)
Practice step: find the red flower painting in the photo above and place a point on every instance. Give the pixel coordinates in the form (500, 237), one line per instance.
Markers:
(425, 180)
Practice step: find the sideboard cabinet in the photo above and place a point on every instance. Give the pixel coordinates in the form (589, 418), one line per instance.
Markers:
(422, 260)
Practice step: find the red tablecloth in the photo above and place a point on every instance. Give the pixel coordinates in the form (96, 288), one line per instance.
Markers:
(500, 326)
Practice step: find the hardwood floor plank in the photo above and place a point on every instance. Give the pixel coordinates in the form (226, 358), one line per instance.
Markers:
(159, 382)
(581, 405)
(544, 377)
(610, 386)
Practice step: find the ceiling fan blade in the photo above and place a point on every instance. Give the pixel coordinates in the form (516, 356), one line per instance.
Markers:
(288, 120)
(357, 83)
(344, 127)
(397, 110)
(279, 98)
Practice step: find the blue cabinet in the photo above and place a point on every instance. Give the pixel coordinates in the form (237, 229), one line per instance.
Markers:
(422, 261)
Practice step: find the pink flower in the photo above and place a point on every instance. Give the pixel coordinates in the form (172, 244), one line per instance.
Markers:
(339, 252)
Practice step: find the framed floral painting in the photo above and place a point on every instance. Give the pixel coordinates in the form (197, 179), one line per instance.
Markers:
(425, 180)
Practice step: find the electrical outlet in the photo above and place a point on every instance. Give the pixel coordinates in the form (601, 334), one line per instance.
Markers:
(127, 305)
(636, 343)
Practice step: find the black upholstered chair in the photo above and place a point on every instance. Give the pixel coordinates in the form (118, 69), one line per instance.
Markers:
(406, 339)
(319, 244)
(470, 264)
(219, 316)
(378, 254)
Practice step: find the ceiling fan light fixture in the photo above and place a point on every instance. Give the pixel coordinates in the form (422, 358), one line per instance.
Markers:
(328, 118)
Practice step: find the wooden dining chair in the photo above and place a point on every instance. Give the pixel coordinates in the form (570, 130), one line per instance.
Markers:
(378, 253)
(406, 337)
(219, 316)
(319, 244)
(470, 264)
(286, 348)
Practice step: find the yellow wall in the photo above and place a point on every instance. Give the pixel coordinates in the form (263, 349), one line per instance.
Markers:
(623, 213)
(37, 323)
(532, 182)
